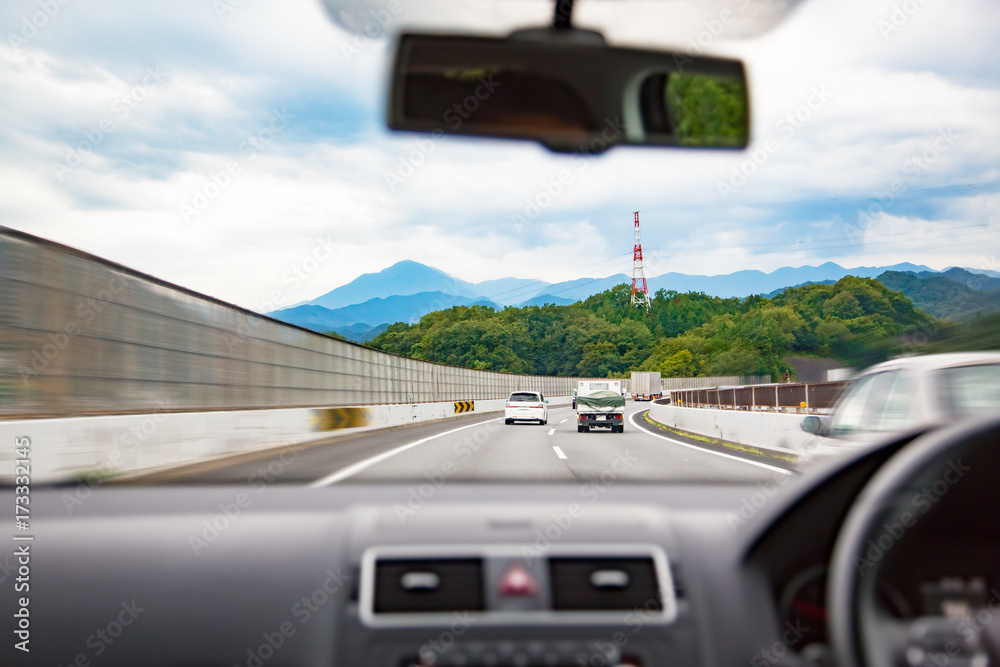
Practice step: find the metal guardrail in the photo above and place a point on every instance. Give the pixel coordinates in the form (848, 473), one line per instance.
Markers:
(790, 397)
(672, 384)
(80, 335)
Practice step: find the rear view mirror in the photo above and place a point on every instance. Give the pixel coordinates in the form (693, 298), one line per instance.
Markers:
(568, 90)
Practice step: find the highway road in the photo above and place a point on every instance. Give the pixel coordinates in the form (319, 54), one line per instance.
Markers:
(480, 448)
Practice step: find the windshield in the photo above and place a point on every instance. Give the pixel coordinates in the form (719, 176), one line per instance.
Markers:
(880, 402)
(218, 265)
(972, 390)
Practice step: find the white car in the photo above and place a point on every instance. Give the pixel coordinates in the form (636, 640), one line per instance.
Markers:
(906, 394)
(526, 406)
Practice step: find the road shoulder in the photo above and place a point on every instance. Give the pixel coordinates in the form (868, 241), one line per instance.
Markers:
(756, 454)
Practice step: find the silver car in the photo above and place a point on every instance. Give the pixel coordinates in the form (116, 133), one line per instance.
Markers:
(905, 394)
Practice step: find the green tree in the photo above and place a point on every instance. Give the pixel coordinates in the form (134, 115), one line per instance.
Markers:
(856, 320)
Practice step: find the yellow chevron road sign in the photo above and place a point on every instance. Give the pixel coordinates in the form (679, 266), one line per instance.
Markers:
(464, 406)
(331, 419)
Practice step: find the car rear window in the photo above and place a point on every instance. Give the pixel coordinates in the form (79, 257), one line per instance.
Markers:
(523, 398)
(972, 390)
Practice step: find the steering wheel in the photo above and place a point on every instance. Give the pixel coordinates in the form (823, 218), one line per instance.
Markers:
(863, 633)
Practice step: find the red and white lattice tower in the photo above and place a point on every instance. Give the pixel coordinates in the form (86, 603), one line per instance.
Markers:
(640, 293)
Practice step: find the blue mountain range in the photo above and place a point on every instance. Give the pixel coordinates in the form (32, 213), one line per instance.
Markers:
(408, 290)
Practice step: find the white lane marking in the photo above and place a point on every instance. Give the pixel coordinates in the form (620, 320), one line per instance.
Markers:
(564, 421)
(707, 451)
(355, 468)
(559, 452)
(551, 431)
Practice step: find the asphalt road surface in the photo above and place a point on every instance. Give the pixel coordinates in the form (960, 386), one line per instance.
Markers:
(480, 448)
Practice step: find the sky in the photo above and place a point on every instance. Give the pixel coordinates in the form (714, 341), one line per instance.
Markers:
(223, 144)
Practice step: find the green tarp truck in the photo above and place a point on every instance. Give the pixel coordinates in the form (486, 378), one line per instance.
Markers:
(600, 404)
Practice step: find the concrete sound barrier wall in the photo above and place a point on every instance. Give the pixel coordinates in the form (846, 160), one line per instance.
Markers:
(768, 430)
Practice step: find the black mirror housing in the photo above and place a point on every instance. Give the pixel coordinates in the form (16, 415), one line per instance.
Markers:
(568, 90)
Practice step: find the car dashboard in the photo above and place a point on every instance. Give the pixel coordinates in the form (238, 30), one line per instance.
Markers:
(494, 574)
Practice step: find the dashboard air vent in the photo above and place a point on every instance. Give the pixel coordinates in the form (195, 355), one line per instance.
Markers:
(428, 585)
(604, 584)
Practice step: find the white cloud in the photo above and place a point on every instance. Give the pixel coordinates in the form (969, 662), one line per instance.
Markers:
(324, 176)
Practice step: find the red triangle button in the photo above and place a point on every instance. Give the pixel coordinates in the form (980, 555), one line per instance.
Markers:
(517, 581)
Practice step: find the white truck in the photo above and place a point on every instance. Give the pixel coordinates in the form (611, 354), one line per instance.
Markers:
(645, 386)
(600, 404)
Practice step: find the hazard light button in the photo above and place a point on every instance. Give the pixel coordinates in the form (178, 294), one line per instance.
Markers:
(517, 582)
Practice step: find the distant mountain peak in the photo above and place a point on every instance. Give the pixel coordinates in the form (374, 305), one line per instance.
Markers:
(412, 264)
(358, 320)
(403, 278)
(408, 277)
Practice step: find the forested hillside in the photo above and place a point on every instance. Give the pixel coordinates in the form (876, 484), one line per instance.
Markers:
(956, 295)
(856, 320)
